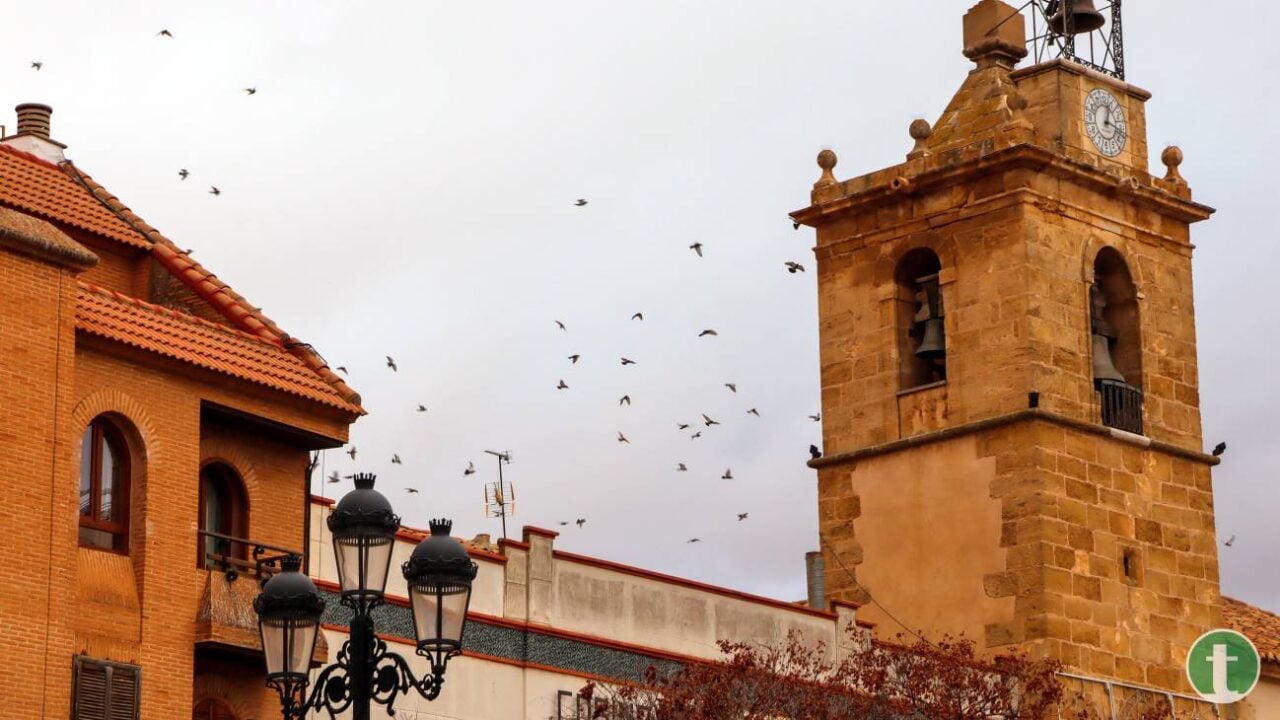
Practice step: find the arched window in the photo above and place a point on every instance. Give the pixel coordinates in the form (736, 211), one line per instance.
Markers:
(224, 513)
(1117, 342)
(104, 487)
(211, 709)
(922, 348)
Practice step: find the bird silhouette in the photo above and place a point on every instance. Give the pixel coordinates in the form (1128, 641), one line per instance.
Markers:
(251, 91)
(37, 65)
(816, 418)
(563, 523)
(696, 247)
(709, 422)
(742, 516)
(471, 469)
(1219, 449)
(342, 369)
(680, 467)
(638, 316)
(733, 387)
(623, 438)
(814, 452)
(795, 226)
(333, 477)
(213, 190)
(1231, 541)
(705, 333)
(164, 33)
(580, 202)
(682, 426)
(352, 452)
(562, 386)
(794, 267)
(574, 359)
(392, 364)
(395, 460)
(183, 173)
(728, 474)
(422, 408)
(624, 399)
(696, 435)
(754, 411)
(411, 491)
(580, 522)
(694, 540)
(625, 361)
(561, 326)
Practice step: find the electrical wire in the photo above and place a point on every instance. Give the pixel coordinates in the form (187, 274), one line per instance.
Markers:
(871, 597)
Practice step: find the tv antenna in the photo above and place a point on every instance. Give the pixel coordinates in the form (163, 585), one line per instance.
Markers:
(500, 496)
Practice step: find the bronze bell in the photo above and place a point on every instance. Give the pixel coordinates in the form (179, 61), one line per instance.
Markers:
(1084, 17)
(1103, 368)
(932, 342)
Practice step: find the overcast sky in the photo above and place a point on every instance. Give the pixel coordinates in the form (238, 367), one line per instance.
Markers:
(403, 182)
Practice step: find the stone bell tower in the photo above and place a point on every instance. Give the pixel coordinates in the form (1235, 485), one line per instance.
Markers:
(1009, 378)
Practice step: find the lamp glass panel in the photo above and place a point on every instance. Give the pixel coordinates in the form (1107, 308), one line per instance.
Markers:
(439, 614)
(288, 645)
(363, 564)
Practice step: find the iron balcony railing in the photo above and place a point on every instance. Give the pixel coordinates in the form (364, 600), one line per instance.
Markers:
(1121, 406)
(1112, 700)
(235, 556)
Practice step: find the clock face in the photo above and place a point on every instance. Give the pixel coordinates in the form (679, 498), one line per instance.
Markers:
(1104, 121)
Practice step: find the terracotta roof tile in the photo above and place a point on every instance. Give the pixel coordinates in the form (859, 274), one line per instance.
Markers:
(40, 188)
(1260, 626)
(184, 337)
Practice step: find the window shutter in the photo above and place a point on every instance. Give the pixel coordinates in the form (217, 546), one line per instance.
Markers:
(104, 690)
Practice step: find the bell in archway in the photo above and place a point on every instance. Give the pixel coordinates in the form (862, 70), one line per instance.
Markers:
(1103, 368)
(933, 344)
(1077, 16)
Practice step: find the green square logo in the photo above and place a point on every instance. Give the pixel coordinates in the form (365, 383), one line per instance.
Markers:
(1223, 666)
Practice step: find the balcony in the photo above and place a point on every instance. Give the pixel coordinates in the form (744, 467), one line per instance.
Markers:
(1121, 406)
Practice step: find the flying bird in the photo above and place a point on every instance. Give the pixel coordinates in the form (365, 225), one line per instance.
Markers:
(814, 452)
(333, 477)
(728, 474)
(1219, 449)
(742, 516)
(574, 359)
(422, 408)
(213, 190)
(682, 426)
(251, 90)
(392, 364)
(794, 267)
(183, 173)
(709, 422)
(561, 325)
(580, 202)
(624, 399)
(696, 247)
(625, 361)
(342, 369)
(705, 333)
(694, 540)
(352, 452)
(1231, 541)
(580, 522)
(680, 467)
(623, 438)
(395, 460)
(795, 226)
(638, 316)
(564, 522)
(816, 418)
(696, 435)
(754, 411)
(471, 469)
(37, 65)
(562, 386)
(164, 33)
(411, 490)
(733, 387)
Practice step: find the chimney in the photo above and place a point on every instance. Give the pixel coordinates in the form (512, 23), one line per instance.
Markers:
(32, 135)
(813, 575)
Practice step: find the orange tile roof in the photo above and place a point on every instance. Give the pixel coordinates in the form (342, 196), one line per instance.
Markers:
(215, 347)
(1260, 626)
(43, 189)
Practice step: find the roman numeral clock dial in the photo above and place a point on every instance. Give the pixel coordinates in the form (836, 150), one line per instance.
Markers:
(1105, 123)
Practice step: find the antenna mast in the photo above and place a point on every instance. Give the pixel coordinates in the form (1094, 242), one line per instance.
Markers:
(500, 497)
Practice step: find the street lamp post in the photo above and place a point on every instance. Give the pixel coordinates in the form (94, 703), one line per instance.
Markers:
(438, 575)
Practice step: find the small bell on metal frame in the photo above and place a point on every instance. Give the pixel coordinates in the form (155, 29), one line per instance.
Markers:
(1083, 18)
(928, 321)
(1103, 336)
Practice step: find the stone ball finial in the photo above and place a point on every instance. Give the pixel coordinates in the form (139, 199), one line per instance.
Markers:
(827, 161)
(1172, 158)
(920, 129)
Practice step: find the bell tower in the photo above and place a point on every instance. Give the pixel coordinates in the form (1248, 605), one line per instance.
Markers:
(1009, 381)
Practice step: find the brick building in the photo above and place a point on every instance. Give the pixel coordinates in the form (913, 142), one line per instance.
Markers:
(184, 416)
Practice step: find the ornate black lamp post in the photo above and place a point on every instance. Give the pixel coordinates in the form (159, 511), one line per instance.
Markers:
(438, 574)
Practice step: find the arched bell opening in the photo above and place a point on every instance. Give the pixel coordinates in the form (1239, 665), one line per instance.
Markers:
(1115, 327)
(922, 347)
